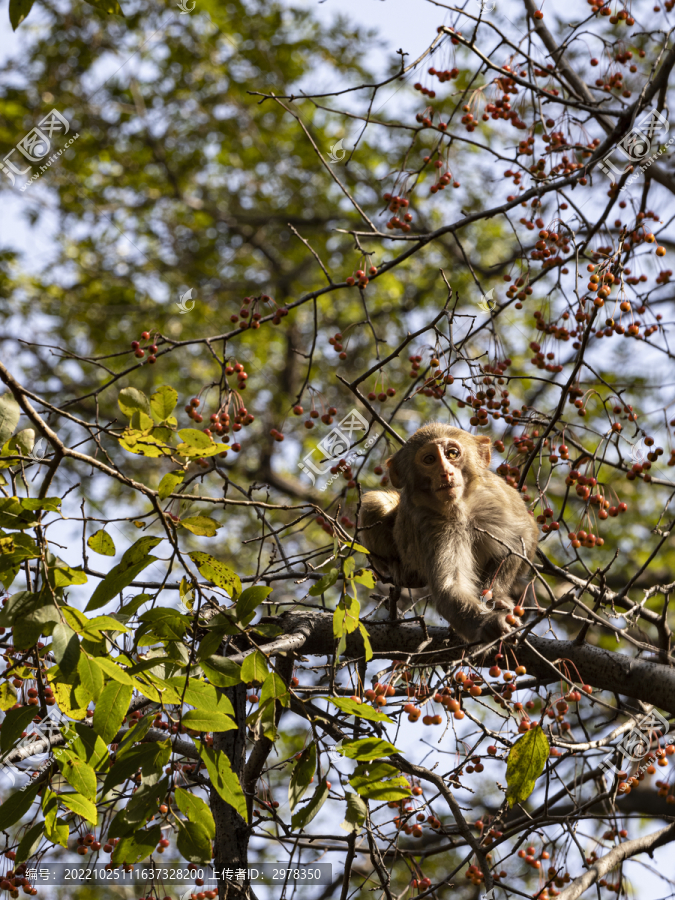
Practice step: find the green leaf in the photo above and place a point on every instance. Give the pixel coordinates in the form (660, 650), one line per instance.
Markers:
(201, 525)
(140, 549)
(90, 675)
(117, 673)
(367, 748)
(163, 402)
(28, 628)
(358, 547)
(18, 10)
(202, 695)
(81, 806)
(150, 758)
(223, 779)
(131, 399)
(305, 815)
(196, 443)
(66, 648)
(132, 564)
(48, 504)
(136, 733)
(15, 722)
(254, 668)
(169, 483)
(79, 774)
(250, 600)
(366, 642)
(302, 775)
(135, 604)
(20, 445)
(217, 572)
(366, 578)
(525, 763)
(362, 710)
(220, 671)
(196, 810)
(99, 624)
(29, 843)
(165, 622)
(356, 813)
(193, 842)
(346, 616)
(89, 746)
(23, 603)
(17, 805)
(379, 781)
(199, 720)
(326, 582)
(138, 846)
(274, 689)
(7, 696)
(111, 708)
(102, 543)
(10, 411)
(63, 575)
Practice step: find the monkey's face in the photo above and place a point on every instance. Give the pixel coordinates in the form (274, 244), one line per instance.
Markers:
(438, 477)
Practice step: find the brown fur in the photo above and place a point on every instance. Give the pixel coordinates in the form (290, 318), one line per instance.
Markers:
(428, 534)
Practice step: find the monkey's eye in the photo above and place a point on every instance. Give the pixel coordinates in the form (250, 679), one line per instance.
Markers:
(452, 453)
(429, 459)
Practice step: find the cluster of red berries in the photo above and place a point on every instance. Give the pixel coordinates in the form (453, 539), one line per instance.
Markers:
(250, 314)
(613, 82)
(383, 395)
(540, 361)
(600, 8)
(545, 248)
(326, 526)
(360, 278)
(547, 513)
(395, 204)
(493, 406)
(426, 119)
(444, 75)
(139, 352)
(443, 180)
(241, 373)
(377, 695)
(277, 435)
(423, 90)
(378, 470)
(422, 883)
(220, 422)
(498, 367)
(326, 417)
(347, 522)
(336, 340)
(345, 469)
(519, 288)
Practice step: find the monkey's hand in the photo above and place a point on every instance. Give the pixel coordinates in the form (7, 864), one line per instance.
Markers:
(494, 626)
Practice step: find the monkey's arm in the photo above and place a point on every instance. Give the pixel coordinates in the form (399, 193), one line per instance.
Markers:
(377, 519)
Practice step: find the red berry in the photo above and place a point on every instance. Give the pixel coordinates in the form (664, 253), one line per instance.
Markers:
(145, 335)
(135, 345)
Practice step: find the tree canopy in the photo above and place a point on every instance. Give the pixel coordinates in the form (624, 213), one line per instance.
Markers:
(273, 262)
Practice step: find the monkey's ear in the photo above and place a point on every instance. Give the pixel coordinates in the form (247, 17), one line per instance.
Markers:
(393, 474)
(484, 447)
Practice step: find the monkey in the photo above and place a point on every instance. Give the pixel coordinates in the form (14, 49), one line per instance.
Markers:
(452, 525)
